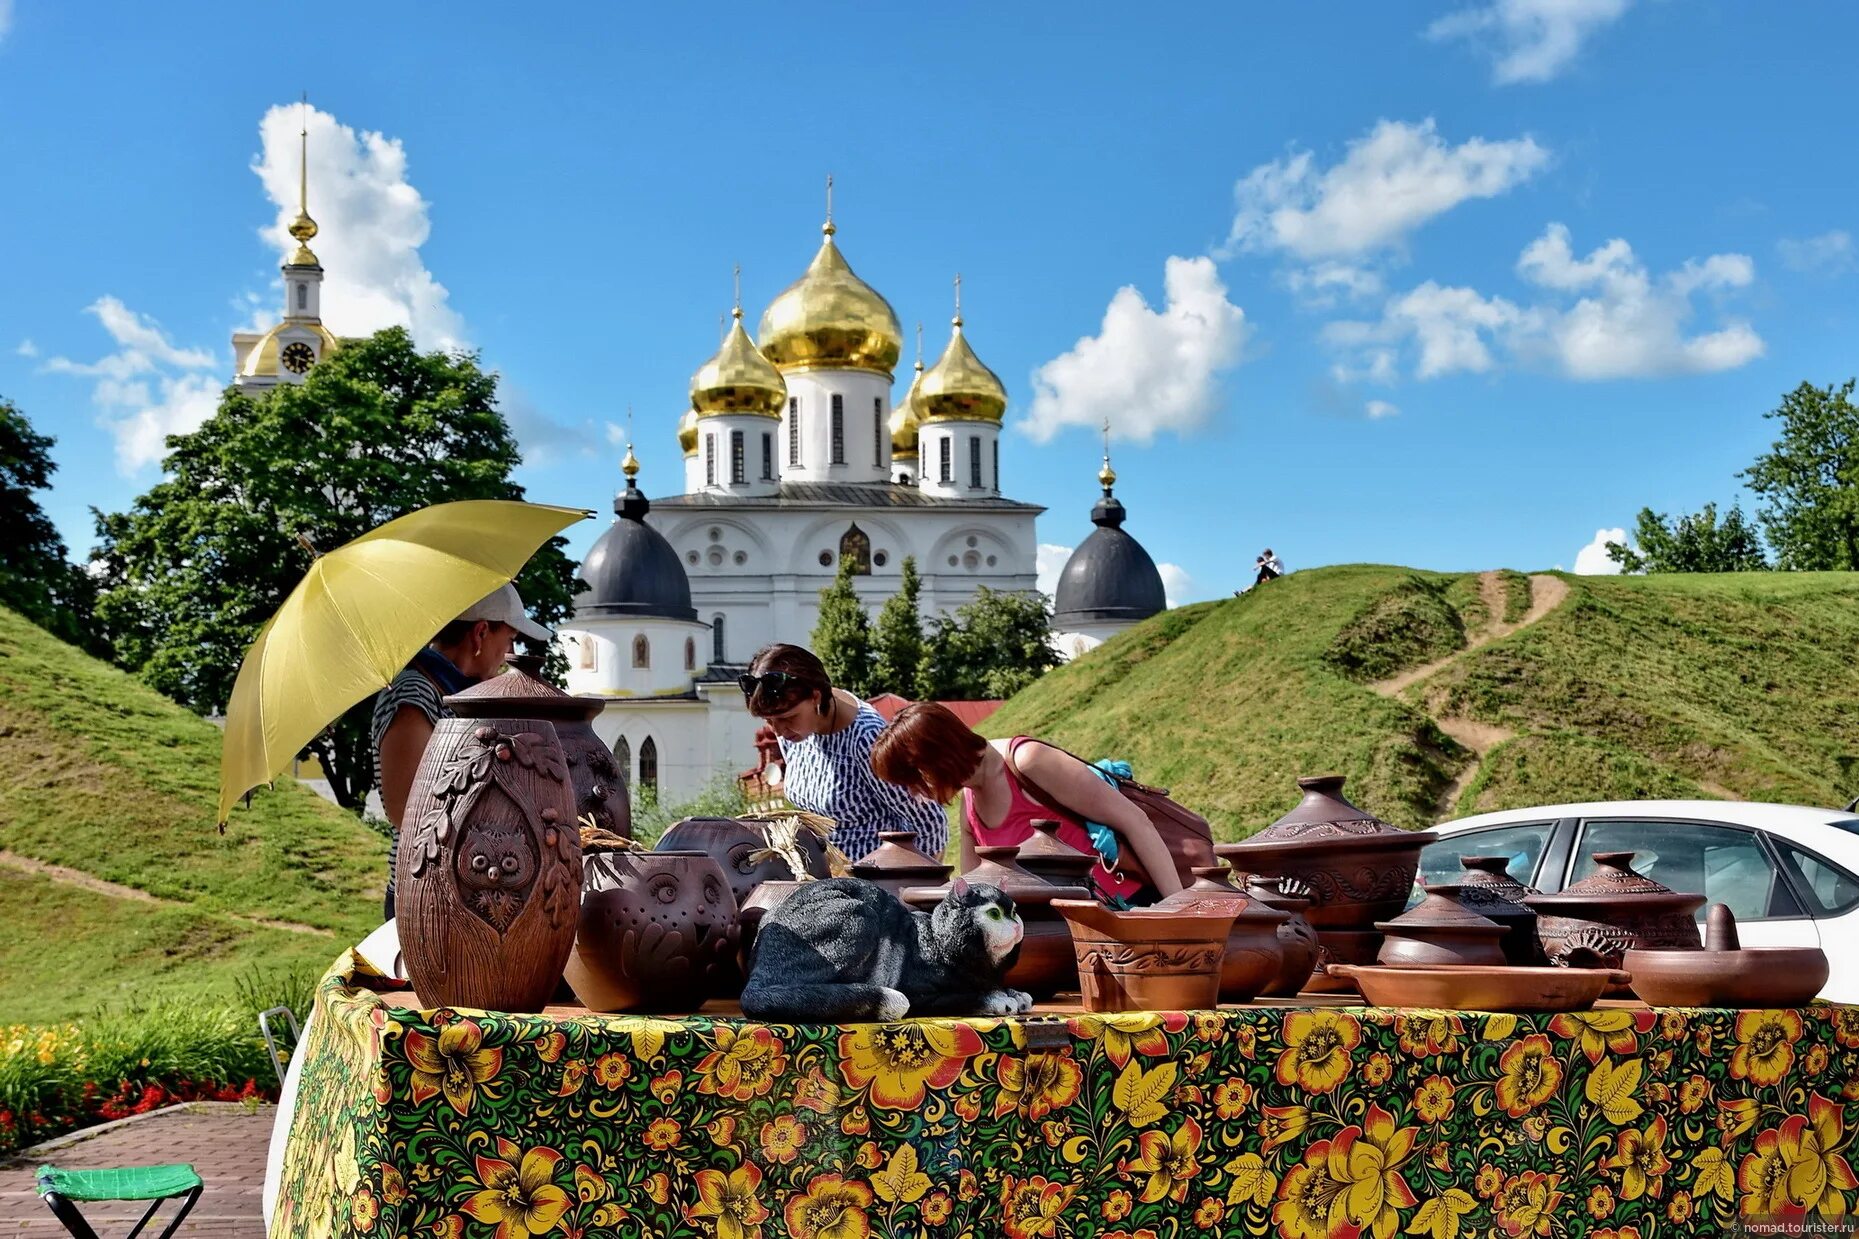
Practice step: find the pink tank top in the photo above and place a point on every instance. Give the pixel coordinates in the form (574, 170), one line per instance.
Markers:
(1016, 827)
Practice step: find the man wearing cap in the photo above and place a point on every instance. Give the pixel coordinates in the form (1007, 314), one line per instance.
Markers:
(471, 648)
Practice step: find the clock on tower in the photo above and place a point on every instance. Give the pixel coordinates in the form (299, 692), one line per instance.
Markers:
(297, 357)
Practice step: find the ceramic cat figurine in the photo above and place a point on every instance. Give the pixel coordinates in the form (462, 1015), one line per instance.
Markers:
(845, 950)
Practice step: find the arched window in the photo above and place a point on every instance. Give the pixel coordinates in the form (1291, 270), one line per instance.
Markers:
(648, 764)
(623, 758)
(642, 651)
(716, 639)
(303, 296)
(855, 549)
(585, 647)
(690, 654)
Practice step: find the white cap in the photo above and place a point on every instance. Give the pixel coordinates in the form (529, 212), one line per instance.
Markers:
(504, 605)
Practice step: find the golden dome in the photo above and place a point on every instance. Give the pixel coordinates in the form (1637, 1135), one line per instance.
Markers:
(263, 359)
(905, 418)
(958, 388)
(738, 379)
(687, 432)
(829, 319)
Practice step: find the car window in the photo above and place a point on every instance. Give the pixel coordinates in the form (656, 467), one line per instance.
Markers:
(1727, 865)
(1522, 844)
(1830, 888)
(1848, 824)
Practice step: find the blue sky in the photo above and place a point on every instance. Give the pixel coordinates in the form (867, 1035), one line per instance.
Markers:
(1453, 286)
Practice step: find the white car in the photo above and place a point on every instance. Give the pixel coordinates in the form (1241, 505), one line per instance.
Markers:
(1786, 871)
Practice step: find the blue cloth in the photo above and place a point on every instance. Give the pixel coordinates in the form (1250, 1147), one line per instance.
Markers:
(1103, 838)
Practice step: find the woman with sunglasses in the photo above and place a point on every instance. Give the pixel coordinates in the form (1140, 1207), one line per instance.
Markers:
(826, 735)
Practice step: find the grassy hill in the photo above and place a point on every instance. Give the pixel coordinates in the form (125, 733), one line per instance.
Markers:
(1442, 695)
(114, 885)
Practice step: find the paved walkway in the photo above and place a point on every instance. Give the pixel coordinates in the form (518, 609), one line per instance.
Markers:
(226, 1143)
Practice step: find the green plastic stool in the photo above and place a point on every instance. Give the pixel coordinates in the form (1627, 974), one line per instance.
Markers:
(60, 1189)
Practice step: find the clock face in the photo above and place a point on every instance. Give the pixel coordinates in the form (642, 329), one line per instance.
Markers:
(297, 357)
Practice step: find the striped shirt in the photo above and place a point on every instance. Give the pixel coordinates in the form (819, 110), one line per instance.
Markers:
(830, 774)
(409, 688)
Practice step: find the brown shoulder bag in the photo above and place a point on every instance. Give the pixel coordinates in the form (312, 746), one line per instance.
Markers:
(1186, 834)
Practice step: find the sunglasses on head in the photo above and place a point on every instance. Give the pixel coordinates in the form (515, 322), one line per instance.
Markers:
(773, 681)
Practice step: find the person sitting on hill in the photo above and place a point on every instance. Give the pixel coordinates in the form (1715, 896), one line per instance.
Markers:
(1269, 565)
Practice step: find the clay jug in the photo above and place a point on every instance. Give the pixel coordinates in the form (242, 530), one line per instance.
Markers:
(489, 866)
(599, 785)
(1299, 940)
(657, 932)
(1253, 953)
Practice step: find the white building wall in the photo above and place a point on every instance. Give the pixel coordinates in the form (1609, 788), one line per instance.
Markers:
(602, 659)
(678, 730)
(761, 474)
(866, 400)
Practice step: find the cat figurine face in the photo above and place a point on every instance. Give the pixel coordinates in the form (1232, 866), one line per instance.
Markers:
(983, 913)
(496, 866)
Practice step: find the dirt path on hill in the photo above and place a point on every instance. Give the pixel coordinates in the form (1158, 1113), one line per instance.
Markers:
(97, 886)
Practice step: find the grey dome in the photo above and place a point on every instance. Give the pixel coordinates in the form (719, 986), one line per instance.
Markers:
(1109, 578)
(632, 570)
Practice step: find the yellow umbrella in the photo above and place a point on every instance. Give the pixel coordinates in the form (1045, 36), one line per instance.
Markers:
(359, 614)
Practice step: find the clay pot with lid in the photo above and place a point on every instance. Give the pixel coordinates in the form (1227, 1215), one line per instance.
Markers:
(1295, 937)
(1487, 888)
(1254, 955)
(657, 932)
(1050, 857)
(1595, 921)
(599, 784)
(1359, 868)
(1045, 964)
(1440, 930)
(896, 863)
(1149, 959)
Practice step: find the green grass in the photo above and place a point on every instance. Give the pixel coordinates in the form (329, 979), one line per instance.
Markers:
(1740, 685)
(101, 775)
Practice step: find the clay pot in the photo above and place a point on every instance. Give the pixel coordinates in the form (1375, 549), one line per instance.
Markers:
(1297, 939)
(657, 932)
(1613, 910)
(1440, 930)
(1045, 854)
(1359, 868)
(1482, 988)
(1487, 888)
(1149, 959)
(1254, 955)
(489, 867)
(1355, 947)
(599, 784)
(1725, 974)
(896, 863)
(1046, 963)
(732, 844)
(765, 898)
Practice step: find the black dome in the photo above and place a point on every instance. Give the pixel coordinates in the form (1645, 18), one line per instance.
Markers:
(1110, 577)
(632, 570)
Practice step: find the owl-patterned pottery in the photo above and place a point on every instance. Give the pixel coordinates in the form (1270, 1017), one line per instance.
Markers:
(599, 787)
(657, 932)
(489, 870)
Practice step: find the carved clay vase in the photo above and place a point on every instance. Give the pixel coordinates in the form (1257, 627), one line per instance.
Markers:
(896, 863)
(1148, 959)
(1045, 964)
(657, 932)
(489, 866)
(1295, 936)
(1050, 857)
(1254, 955)
(1359, 868)
(1594, 922)
(599, 786)
(1441, 930)
(1487, 888)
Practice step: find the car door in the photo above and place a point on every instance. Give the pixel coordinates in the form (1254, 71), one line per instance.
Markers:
(1728, 863)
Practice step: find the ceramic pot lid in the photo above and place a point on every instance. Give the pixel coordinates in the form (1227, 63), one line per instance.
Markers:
(1615, 884)
(999, 867)
(1324, 817)
(1045, 847)
(1492, 873)
(1441, 913)
(897, 856)
(515, 695)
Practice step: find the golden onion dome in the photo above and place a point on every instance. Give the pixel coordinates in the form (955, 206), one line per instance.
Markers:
(906, 419)
(958, 388)
(263, 359)
(829, 319)
(687, 432)
(739, 379)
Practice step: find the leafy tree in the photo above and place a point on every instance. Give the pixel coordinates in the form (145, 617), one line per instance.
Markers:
(898, 637)
(36, 578)
(198, 563)
(991, 648)
(1810, 478)
(842, 634)
(1694, 542)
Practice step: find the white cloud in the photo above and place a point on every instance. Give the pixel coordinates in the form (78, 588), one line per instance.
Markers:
(1378, 409)
(1050, 562)
(1592, 560)
(1530, 40)
(1390, 183)
(1326, 283)
(1146, 370)
(371, 223)
(1830, 253)
(1177, 585)
(27, 349)
(183, 405)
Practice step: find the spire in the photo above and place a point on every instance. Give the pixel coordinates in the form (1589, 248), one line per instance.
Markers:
(958, 301)
(631, 504)
(919, 346)
(1107, 477)
(737, 312)
(1108, 512)
(828, 227)
(303, 227)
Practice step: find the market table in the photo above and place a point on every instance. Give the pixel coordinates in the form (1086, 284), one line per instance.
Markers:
(1309, 1120)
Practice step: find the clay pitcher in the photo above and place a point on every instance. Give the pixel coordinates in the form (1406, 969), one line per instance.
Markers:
(1298, 939)
(1254, 955)
(657, 932)
(599, 787)
(489, 866)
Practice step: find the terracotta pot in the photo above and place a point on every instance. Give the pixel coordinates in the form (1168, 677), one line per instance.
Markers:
(896, 863)
(1148, 959)
(1045, 854)
(1725, 974)
(657, 932)
(1254, 956)
(1359, 868)
(1295, 936)
(1357, 947)
(732, 844)
(489, 867)
(1613, 910)
(1482, 988)
(1487, 888)
(765, 898)
(1440, 930)
(1046, 964)
(599, 784)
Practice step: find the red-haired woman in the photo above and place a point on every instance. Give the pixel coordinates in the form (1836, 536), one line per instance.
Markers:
(929, 751)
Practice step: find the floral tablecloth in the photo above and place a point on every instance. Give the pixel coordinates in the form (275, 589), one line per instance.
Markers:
(1304, 1123)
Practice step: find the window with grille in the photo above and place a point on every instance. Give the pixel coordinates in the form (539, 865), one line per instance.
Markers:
(716, 639)
(879, 456)
(648, 764)
(974, 461)
(768, 458)
(839, 430)
(738, 466)
(997, 465)
(793, 430)
(710, 460)
(946, 472)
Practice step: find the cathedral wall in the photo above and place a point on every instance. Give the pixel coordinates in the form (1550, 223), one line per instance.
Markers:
(866, 448)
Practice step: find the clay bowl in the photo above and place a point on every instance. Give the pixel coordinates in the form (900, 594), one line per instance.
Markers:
(1479, 988)
(1148, 960)
(1776, 976)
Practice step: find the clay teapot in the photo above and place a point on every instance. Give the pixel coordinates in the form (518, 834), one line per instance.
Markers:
(896, 863)
(1046, 964)
(1254, 955)
(1595, 921)
(1487, 888)
(657, 932)
(1149, 959)
(599, 783)
(1441, 930)
(1295, 936)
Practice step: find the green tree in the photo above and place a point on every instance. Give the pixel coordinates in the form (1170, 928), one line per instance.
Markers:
(1694, 542)
(377, 430)
(991, 648)
(842, 634)
(1810, 478)
(898, 637)
(36, 577)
